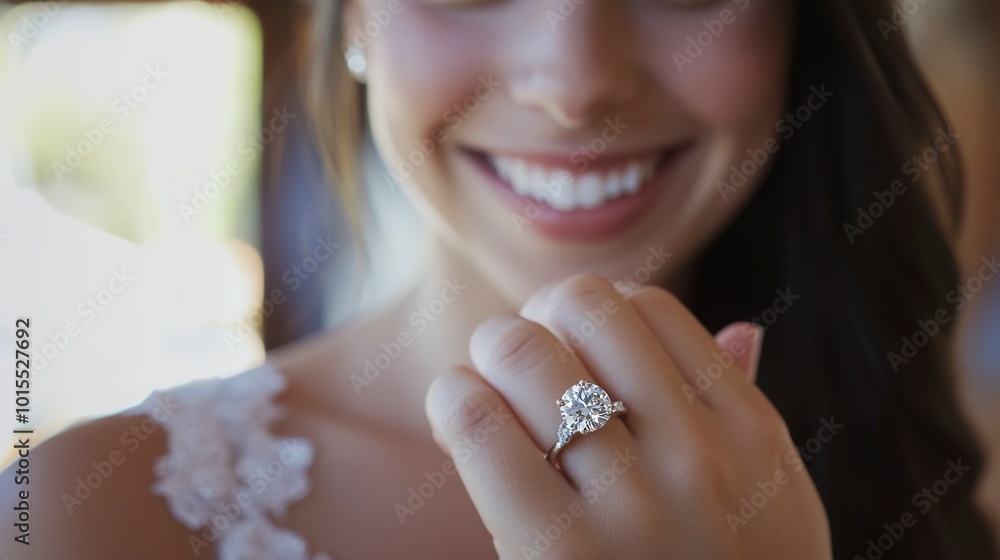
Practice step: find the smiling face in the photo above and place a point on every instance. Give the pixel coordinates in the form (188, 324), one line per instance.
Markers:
(547, 138)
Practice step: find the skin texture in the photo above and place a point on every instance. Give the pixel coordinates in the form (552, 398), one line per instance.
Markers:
(697, 456)
(699, 453)
(558, 87)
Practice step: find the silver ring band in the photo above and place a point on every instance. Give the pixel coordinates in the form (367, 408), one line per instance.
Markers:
(585, 408)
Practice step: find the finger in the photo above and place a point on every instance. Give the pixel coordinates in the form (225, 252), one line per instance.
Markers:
(531, 368)
(617, 346)
(535, 308)
(743, 335)
(509, 481)
(710, 373)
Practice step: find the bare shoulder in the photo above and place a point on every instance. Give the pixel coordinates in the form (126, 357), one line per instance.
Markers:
(89, 488)
(86, 493)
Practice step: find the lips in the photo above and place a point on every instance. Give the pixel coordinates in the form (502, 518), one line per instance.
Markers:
(571, 204)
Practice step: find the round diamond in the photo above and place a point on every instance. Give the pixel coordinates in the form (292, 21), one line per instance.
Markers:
(585, 407)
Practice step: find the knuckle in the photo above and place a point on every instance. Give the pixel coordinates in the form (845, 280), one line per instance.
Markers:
(657, 299)
(706, 475)
(579, 294)
(768, 431)
(582, 287)
(637, 488)
(520, 348)
(471, 412)
(702, 458)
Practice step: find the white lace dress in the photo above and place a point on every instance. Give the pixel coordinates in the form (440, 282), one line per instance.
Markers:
(226, 477)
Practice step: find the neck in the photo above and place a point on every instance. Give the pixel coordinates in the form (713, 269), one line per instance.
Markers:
(424, 333)
(450, 301)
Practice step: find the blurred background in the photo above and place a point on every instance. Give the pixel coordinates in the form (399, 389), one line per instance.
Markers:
(156, 164)
(141, 149)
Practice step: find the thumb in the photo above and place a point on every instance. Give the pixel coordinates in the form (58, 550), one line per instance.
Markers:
(744, 341)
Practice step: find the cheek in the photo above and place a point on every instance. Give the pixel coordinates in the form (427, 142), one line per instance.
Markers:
(421, 66)
(730, 77)
(728, 89)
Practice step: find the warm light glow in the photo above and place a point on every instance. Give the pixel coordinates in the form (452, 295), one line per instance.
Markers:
(135, 125)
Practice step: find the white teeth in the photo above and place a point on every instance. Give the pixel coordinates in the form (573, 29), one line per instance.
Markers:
(615, 184)
(562, 200)
(502, 166)
(590, 190)
(518, 177)
(630, 182)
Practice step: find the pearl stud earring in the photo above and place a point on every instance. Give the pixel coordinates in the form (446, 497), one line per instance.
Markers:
(357, 63)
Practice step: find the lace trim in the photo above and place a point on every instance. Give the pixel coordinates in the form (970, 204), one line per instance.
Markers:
(225, 475)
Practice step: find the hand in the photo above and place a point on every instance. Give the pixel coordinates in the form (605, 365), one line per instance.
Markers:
(695, 469)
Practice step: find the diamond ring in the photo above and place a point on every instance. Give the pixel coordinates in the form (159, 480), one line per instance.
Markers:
(585, 408)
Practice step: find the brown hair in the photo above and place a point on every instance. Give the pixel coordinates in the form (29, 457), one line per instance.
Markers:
(827, 358)
(335, 104)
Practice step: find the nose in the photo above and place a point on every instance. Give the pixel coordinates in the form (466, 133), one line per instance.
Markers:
(577, 68)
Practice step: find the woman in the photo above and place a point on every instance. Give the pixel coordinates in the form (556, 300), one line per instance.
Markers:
(754, 157)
